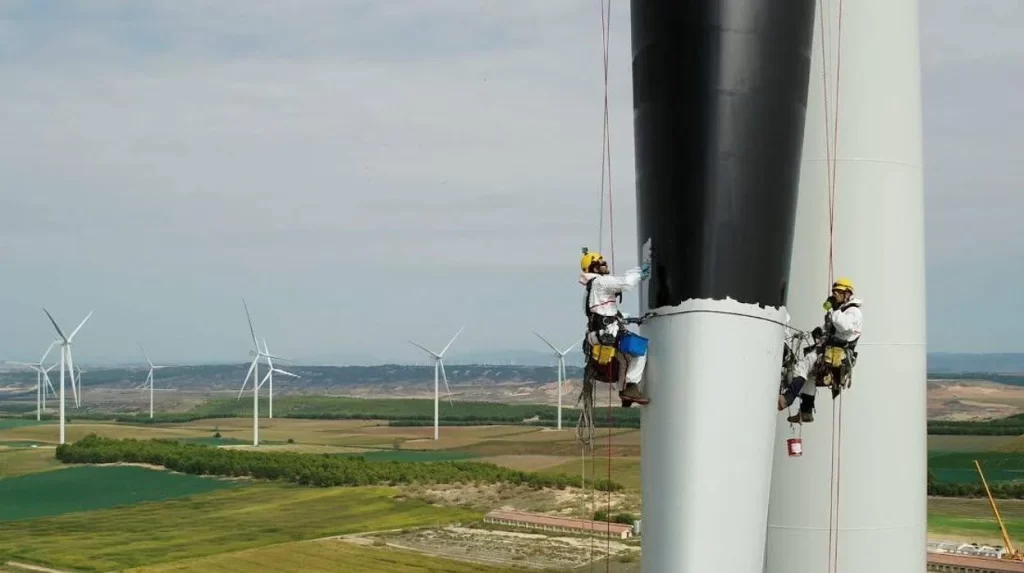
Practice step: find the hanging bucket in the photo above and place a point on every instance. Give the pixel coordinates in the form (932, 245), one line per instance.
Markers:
(795, 447)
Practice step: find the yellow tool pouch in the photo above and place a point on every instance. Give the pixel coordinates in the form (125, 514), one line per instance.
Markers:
(602, 354)
(834, 356)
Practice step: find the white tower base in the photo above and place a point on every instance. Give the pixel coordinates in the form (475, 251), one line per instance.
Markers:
(707, 435)
(880, 466)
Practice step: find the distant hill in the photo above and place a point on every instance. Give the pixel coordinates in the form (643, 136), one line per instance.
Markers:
(1007, 368)
(1006, 363)
(222, 377)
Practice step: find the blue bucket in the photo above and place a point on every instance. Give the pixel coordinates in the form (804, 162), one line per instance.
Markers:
(633, 344)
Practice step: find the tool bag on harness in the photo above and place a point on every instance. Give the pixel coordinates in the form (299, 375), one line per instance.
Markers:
(599, 346)
(837, 360)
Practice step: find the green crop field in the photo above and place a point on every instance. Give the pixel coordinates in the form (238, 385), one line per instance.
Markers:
(972, 518)
(91, 487)
(624, 470)
(7, 423)
(22, 461)
(213, 523)
(324, 555)
(953, 443)
(958, 467)
(20, 443)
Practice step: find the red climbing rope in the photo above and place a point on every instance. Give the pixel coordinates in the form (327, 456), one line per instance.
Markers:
(831, 163)
(606, 145)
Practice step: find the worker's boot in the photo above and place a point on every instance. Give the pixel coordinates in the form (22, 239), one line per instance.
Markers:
(806, 414)
(632, 393)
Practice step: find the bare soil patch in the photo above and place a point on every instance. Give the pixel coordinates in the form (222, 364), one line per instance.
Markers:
(499, 547)
(965, 400)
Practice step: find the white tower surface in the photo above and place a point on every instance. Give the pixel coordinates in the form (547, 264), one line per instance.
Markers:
(881, 451)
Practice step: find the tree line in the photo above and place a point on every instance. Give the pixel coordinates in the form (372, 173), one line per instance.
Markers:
(398, 412)
(318, 470)
(1009, 426)
(1000, 490)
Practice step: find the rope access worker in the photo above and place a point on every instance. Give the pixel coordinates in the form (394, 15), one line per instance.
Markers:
(604, 319)
(843, 324)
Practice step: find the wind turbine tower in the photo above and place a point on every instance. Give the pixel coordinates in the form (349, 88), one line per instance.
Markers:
(40, 371)
(270, 376)
(561, 370)
(439, 368)
(65, 359)
(149, 379)
(254, 372)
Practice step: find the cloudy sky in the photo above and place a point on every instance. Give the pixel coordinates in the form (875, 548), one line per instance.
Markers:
(365, 172)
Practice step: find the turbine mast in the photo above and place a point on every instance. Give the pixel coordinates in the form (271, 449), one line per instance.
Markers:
(720, 88)
(878, 522)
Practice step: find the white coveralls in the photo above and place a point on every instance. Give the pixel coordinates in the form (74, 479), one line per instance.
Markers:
(604, 301)
(847, 321)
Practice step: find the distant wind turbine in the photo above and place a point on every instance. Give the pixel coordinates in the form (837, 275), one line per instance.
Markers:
(149, 378)
(254, 372)
(65, 358)
(40, 371)
(270, 376)
(439, 368)
(561, 370)
(78, 381)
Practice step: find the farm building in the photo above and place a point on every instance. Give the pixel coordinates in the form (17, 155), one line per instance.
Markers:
(951, 563)
(550, 523)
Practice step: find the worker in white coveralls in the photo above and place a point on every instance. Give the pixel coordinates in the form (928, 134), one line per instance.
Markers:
(604, 319)
(843, 323)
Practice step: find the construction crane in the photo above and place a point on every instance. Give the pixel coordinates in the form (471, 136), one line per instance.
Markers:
(1010, 553)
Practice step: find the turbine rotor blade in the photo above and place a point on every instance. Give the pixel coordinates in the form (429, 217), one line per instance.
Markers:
(247, 375)
(286, 373)
(567, 350)
(546, 341)
(425, 349)
(54, 322)
(251, 329)
(146, 355)
(48, 350)
(446, 388)
(452, 340)
(80, 325)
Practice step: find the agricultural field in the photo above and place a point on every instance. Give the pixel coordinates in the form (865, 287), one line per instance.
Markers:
(958, 467)
(251, 522)
(84, 488)
(21, 461)
(324, 555)
(213, 523)
(952, 443)
(972, 519)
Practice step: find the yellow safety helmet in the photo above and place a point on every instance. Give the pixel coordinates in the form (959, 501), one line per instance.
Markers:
(589, 259)
(843, 284)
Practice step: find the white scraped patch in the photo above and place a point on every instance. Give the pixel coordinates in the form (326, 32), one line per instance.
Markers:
(728, 306)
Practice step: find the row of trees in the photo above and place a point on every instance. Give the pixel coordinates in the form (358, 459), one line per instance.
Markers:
(1009, 426)
(320, 470)
(1001, 490)
(398, 412)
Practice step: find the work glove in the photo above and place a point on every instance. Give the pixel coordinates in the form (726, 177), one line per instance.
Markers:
(645, 271)
(829, 304)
